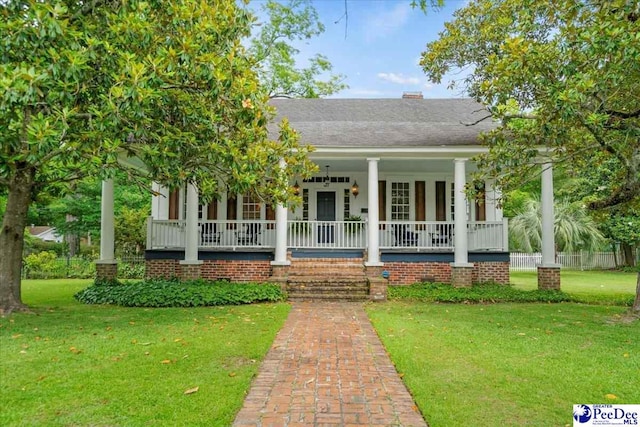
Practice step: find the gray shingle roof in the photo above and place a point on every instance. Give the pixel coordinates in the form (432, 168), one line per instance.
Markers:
(383, 122)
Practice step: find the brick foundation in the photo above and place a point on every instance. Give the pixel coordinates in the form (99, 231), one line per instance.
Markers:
(406, 273)
(106, 271)
(161, 268)
(233, 270)
(549, 278)
(462, 277)
(190, 270)
(497, 272)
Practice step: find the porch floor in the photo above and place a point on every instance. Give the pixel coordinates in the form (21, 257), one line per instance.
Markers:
(327, 366)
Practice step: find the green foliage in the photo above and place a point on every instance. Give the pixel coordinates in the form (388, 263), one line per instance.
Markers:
(275, 56)
(49, 265)
(562, 80)
(482, 293)
(40, 262)
(162, 91)
(131, 270)
(574, 228)
(173, 293)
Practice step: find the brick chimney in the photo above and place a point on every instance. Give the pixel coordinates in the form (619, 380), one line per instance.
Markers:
(412, 95)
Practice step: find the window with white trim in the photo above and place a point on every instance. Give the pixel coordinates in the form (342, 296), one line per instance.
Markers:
(250, 207)
(400, 201)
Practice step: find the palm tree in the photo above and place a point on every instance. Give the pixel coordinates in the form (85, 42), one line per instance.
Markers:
(574, 229)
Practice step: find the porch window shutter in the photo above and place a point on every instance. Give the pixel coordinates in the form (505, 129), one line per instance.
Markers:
(270, 215)
(421, 215)
(212, 210)
(441, 201)
(382, 202)
(232, 210)
(174, 204)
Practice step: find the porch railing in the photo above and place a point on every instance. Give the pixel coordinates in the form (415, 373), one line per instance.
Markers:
(327, 234)
(169, 234)
(418, 235)
(439, 235)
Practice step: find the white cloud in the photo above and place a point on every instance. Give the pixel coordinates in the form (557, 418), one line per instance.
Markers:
(387, 22)
(399, 79)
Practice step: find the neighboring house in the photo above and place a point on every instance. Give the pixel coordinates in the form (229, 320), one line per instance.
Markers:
(388, 204)
(45, 232)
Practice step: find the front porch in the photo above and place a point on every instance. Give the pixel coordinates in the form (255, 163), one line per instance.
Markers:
(409, 251)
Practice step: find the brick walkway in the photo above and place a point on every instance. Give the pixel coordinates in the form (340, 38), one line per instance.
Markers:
(327, 367)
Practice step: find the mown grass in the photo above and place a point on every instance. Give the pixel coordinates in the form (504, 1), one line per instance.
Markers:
(591, 287)
(510, 364)
(69, 363)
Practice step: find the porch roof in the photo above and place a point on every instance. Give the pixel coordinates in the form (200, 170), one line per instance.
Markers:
(384, 122)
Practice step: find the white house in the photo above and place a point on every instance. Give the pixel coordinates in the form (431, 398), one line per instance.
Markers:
(388, 205)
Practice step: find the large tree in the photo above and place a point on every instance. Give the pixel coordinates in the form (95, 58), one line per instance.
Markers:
(276, 57)
(564, 82)
(160, 88)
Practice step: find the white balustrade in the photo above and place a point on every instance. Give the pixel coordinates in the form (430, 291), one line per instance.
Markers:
(418, 235)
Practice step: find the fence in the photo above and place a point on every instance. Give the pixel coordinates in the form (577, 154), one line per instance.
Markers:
(78, 268)
(568, 260)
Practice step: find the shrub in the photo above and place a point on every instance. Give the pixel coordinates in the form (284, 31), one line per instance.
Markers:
(173, 293)
(131, 270)
(41, 264)
(482, 293)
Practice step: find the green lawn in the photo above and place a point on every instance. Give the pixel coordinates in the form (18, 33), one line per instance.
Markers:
(587, 286)
(75, 364)
(516, 364)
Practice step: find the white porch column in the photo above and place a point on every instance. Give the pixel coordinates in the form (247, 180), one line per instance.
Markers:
(106, 266)
(460, 220)
(281, 231)
(373, 255)
(191, 231)
(548, 271)
(546, 205)
(461, 270)
(107, 233)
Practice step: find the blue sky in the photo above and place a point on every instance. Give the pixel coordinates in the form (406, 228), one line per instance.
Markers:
(380, 53)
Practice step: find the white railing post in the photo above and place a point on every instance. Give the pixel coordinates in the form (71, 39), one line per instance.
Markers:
(505, 234)
(150, 232)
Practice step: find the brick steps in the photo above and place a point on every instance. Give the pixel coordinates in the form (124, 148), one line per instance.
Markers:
(338, 279)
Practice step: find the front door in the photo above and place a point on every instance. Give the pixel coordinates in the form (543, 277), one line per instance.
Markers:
(326, 211)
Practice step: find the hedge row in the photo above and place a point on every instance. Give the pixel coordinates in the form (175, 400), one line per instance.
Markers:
(493, 293)
(173, 293)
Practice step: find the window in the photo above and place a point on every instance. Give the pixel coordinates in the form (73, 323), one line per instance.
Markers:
(250, 208)
(400, 201)
(347, 203)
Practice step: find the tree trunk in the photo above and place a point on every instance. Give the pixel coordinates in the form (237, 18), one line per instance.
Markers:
(12, 240)
(629, 259)
(636, 303)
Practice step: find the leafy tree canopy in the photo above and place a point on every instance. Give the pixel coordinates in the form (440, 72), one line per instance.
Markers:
(562, 80)
(272, 47)
(153, 88)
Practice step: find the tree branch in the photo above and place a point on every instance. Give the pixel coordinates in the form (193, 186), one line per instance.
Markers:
(623, 115)
(477, 121)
